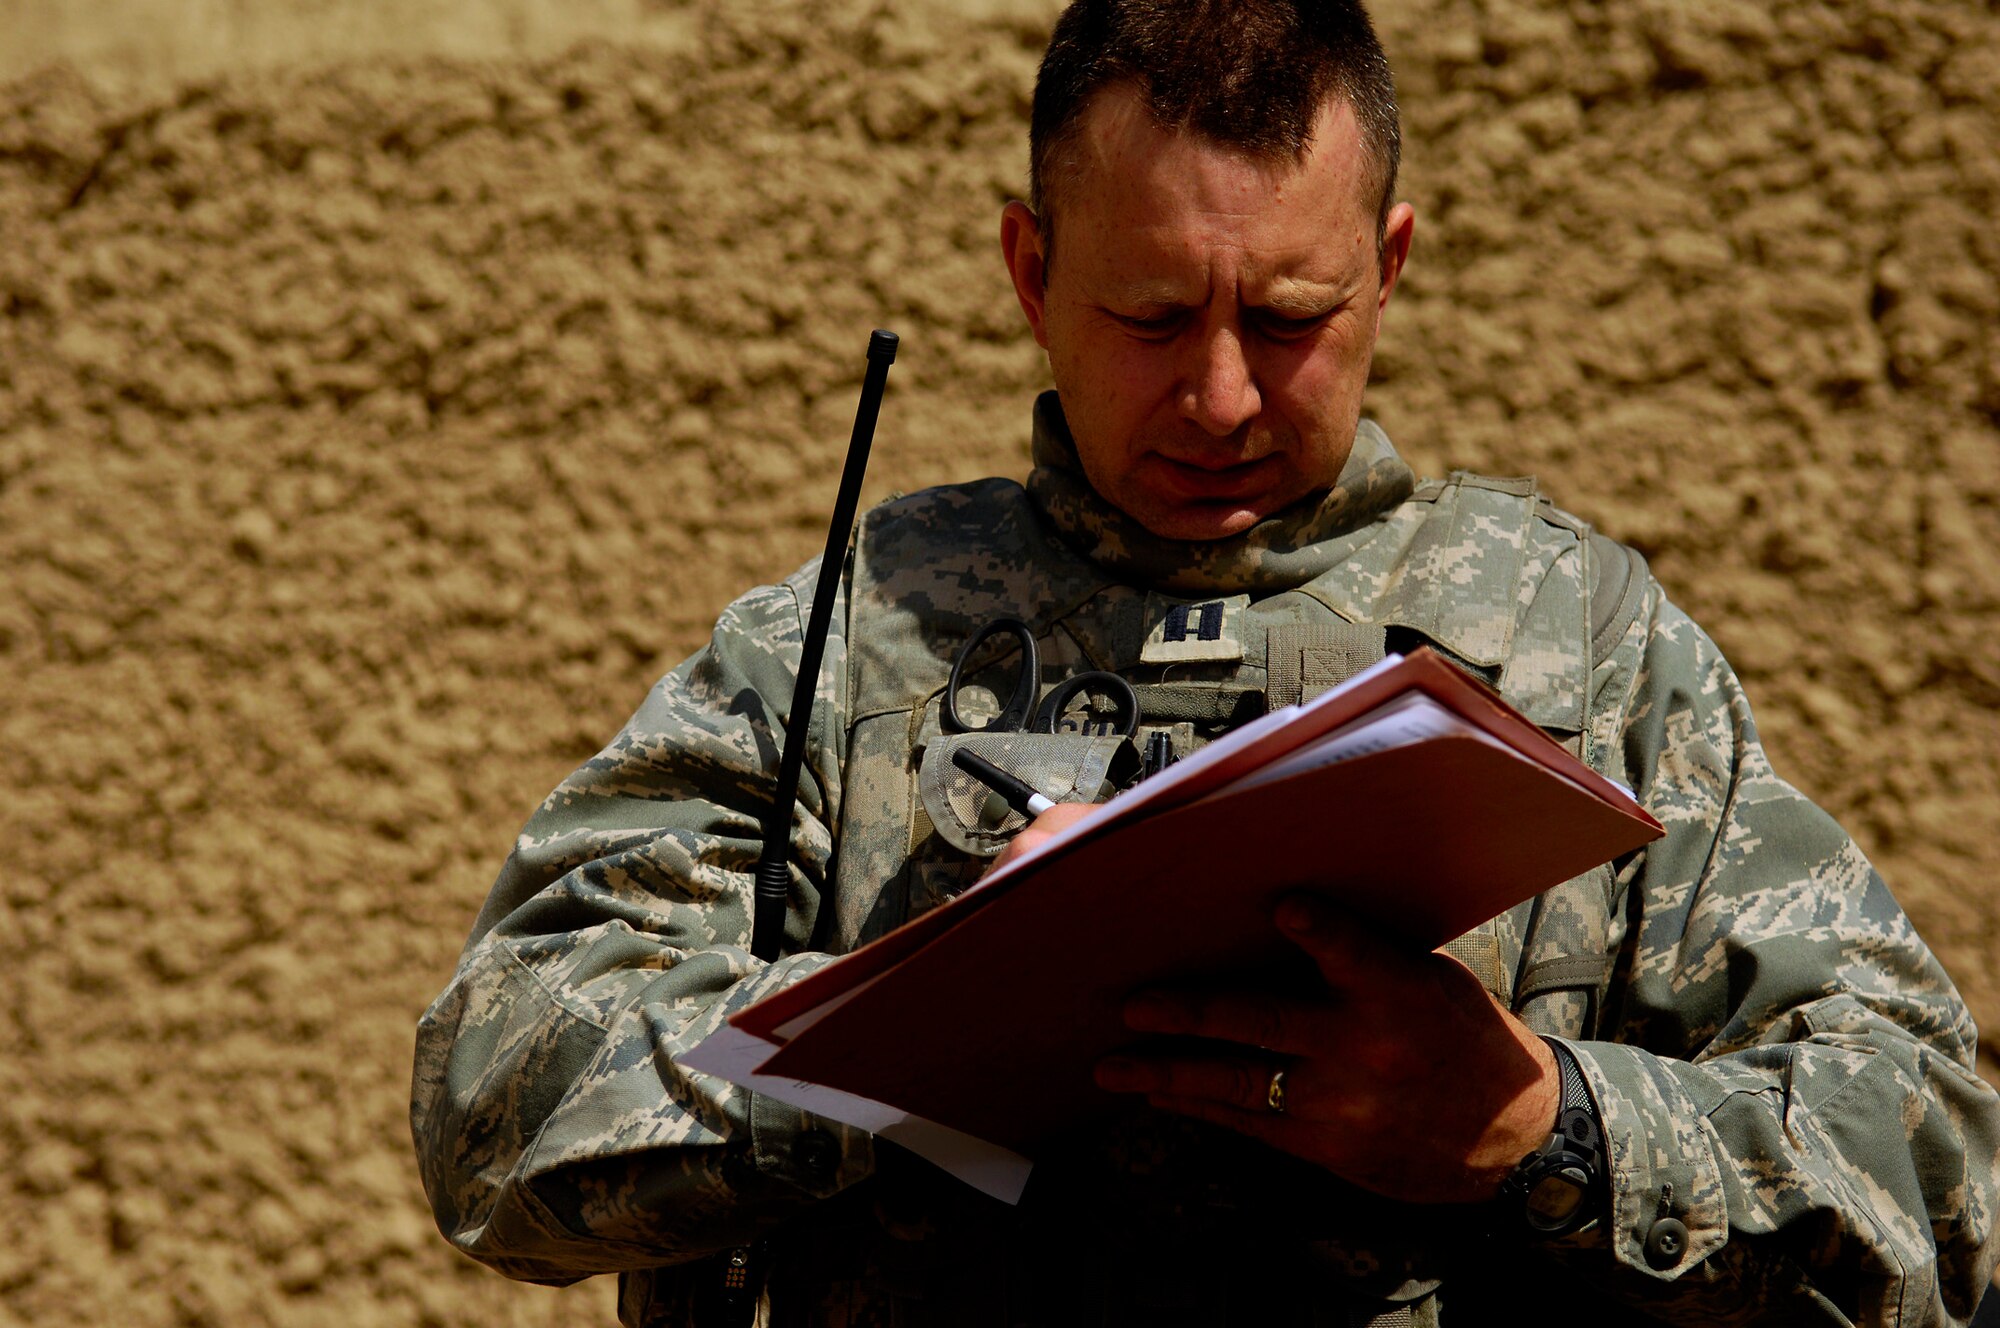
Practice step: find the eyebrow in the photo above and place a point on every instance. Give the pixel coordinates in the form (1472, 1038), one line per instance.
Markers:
(1299, 298)
(1152, 295)
(1289, 296)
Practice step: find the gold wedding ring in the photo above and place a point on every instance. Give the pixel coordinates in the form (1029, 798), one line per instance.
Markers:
(1274, 1094)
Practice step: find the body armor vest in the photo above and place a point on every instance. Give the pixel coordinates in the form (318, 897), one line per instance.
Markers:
(1155, 1219)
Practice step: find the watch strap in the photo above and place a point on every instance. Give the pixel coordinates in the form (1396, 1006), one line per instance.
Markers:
(1575, 1088)
(1571, 1158)
(1576, 1114)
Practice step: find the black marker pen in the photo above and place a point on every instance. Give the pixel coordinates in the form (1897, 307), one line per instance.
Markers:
(1012, 790)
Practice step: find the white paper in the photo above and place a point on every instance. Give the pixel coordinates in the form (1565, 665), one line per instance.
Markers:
(1409, 719)
(736, 1055)
(798, 1024)
(1137, 798)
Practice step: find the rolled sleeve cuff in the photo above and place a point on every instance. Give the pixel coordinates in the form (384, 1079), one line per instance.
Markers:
(788, 1143)
(818, 1155)
(1661, 1160)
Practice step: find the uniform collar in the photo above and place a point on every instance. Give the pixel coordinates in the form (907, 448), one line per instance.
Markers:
(1282, 552)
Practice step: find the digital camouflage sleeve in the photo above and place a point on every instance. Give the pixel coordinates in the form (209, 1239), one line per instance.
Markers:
(557, 1134)
(1782, 1068)
(1784, 1065)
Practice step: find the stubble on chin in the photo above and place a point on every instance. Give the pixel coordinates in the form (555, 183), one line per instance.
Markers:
(1194, 523)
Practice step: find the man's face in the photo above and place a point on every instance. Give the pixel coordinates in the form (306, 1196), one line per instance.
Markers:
(1209, 317)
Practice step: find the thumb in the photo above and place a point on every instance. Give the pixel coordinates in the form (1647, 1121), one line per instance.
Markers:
(1046, 826)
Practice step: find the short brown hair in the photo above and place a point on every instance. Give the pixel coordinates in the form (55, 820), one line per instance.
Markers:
(1247, 74)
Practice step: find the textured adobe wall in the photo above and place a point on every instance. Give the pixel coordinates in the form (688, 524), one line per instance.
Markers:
(373, 431)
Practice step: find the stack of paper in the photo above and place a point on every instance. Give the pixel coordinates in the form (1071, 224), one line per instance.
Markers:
(1411, 795)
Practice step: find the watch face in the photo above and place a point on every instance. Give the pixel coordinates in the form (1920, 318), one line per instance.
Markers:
(1553, 1200)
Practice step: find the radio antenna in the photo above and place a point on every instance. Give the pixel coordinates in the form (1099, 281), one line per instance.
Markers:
(774, 871)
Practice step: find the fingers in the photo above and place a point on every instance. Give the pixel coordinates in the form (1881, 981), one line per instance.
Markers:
(1051, 822)
(1259, 1123)
(1236, 1083)
(1254, 1019)
(1232, 1094)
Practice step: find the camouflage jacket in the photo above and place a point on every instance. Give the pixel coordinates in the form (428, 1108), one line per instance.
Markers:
(1781, 1066)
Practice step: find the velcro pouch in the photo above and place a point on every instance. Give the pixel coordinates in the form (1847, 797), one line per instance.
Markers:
(1063, 767)
(1302, 660)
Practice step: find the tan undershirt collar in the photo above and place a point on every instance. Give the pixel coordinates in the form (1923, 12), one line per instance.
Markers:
(1283, 551)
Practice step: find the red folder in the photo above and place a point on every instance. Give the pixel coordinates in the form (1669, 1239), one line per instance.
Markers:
(987, 1014)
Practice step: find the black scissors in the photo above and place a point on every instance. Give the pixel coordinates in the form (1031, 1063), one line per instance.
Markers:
(1020, 714)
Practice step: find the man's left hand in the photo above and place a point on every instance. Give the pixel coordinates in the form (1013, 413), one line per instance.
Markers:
(1402, 1075)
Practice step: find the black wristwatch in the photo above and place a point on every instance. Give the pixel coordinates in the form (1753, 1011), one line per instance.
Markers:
(1555, 1189)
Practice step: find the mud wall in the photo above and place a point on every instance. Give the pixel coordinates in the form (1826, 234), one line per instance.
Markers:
(374, 429)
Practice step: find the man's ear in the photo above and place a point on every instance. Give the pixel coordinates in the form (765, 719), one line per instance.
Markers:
(1397, 231)
(1021, 248)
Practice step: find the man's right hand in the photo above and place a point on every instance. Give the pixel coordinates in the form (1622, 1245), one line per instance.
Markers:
(1050, 823)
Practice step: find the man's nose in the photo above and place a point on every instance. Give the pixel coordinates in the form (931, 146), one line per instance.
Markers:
(1218, 390)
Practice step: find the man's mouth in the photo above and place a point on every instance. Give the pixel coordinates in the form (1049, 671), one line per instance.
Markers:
(1197, 481)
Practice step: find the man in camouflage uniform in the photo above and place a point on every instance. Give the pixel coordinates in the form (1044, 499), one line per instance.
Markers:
(1782, 1074)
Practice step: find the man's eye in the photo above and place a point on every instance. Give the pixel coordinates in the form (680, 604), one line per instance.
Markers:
(1281, 327)
(1158, 326)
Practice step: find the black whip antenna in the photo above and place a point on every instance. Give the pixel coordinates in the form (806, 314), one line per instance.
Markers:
(774, 872)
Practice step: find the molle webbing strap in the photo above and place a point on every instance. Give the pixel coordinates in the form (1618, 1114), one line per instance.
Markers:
(921, 827)
(1302, 660)
(1204, 706)
(1564, 973)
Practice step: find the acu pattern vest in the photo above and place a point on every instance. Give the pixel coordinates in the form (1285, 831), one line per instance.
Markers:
(1154, 1219)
